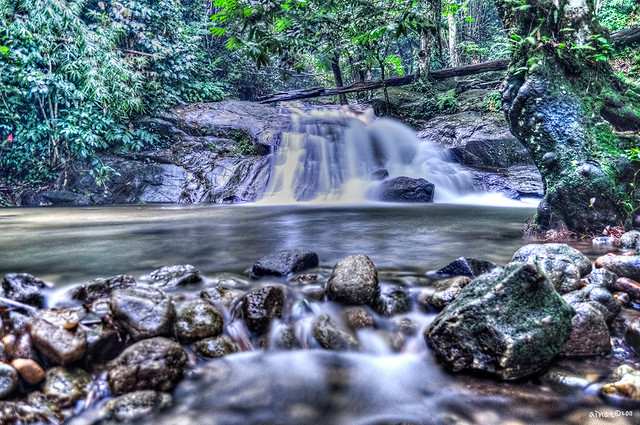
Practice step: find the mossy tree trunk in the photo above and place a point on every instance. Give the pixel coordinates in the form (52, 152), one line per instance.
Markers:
(566, 106)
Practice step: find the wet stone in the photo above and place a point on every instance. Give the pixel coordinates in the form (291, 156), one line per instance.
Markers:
(169, 277)
(29, 370)
(136, 405)
(589, 333)
(196, 320)
(19, 412)
(464, 266)
(284, 337)
(143, 311)
(214, 348)
(23, 348)
(283, 263)
(442, 292)
(65, 386)
(625, 266)
(101, 288)
(54, 335)
(606, 302)
(630, 240)
(629, 286)
(24, 288)
(632, 335)
(626, 383)
(331, 337)
(392, 300)
(221, 295)
(354, 280)
(262, 305)
(8, 380)
(39, 400)
(603, 278)
(357, 318)
(103, 344)
(150, 364)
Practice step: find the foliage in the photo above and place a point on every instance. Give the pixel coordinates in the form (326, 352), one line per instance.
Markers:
(448, 102)
(492, 101)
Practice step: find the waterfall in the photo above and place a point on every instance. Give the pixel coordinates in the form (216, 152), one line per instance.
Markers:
(340, 154)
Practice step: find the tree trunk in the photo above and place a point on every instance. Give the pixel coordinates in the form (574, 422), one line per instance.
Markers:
(337, 75)
(424, 55)
(453, 53)
(555, 98)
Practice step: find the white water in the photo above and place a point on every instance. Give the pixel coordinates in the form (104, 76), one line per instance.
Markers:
(329, 156)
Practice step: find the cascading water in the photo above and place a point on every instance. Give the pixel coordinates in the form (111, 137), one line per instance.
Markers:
(332, 155)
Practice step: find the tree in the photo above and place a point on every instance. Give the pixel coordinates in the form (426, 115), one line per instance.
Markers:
(563, 102)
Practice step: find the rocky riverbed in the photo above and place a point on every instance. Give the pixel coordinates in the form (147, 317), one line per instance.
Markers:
(546, 338)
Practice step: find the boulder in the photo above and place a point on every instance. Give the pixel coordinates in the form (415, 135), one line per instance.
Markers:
(589, 333)
(630, 240)
(564, 265)
(169, 277)
(57, 334)
(262, 305)
(442, 292)
(284, 263)
(100, 288)
(603, 278)
(196, 320)
(515, 181)
(464, 266)
(135, 406)
(354, 280)
(8, 380)
(331, 337)
(600, 297)
(622, 265)
(151, 364)
(405, 189)
(213, 348)
(392, 300)
(509, 324)
(143, 311)
(24, 288)
(65, 386)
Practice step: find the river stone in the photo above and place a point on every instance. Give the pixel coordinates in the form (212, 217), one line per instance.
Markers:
(262, 305)
(628, 286)
(103, 344)
(283, 263)
(509, 324)
(53, 333)
(19, 413)
(354, 280)
(627, 383)
(24, 288)
(196, 320)
(391, 300)
(442, 292)
(100, 288)
(357, 318)
(563, 264)
(151, 364)
(29, 370)
(589, 333)
(8, 379)
(214, 348)
(143, 311)
(169, 277)
(136, 405)
(632, 335)
(604, 301)
(603, 278)
(65, 386)
(39, 400)
(405, 189)
(465, 266)
(219, 295)
(380, 174)
(630, 240)
(331, 337)
(623, 265)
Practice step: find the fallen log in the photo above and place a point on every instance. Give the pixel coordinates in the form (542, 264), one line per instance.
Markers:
(625, 38)
(440, 74)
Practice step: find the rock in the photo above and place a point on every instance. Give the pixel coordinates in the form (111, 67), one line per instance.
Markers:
(100, 288)
(623, 265)
(65, 386)
(151, 364)
(442, 292)
(629, 286)
(392, 300)
(57, 197)
(53, 333)
(103, 344)
(517, 180)
(632, 335)
(465, 266)
(39, 401)
(405, 189)
(219, 295)
(8, 380)
(23, 348)
(19, 413)
(169, 277)
(29, 370)
(627, 383)
(262, 305)
(357, 318)
(214, 348)
(630, 240)
(603, 278)
(284, 263)
(602, 298)
(354, 280)
(331, 337)
(197, 320)
(284, 337)
(589, 333)
(509, 324)
(563, 264)
(380, 174)
(136, 405)
(24, 288)
(143, 311)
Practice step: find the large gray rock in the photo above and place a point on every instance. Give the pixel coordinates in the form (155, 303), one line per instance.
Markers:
(331, 337)
(405, 189)
(169, 277)
(100, 288)
(65, 386)
(283, 263)
(509, 324)
(196, 320)
(623, 265)
(214, 348)
(262, 305)
(57, 334)
(564, 265)
(514, 182)
(24, 288)
(600, 297)
(151, 364)
(354, 280)
(630, 240)
(589, 333)
(143, 311)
